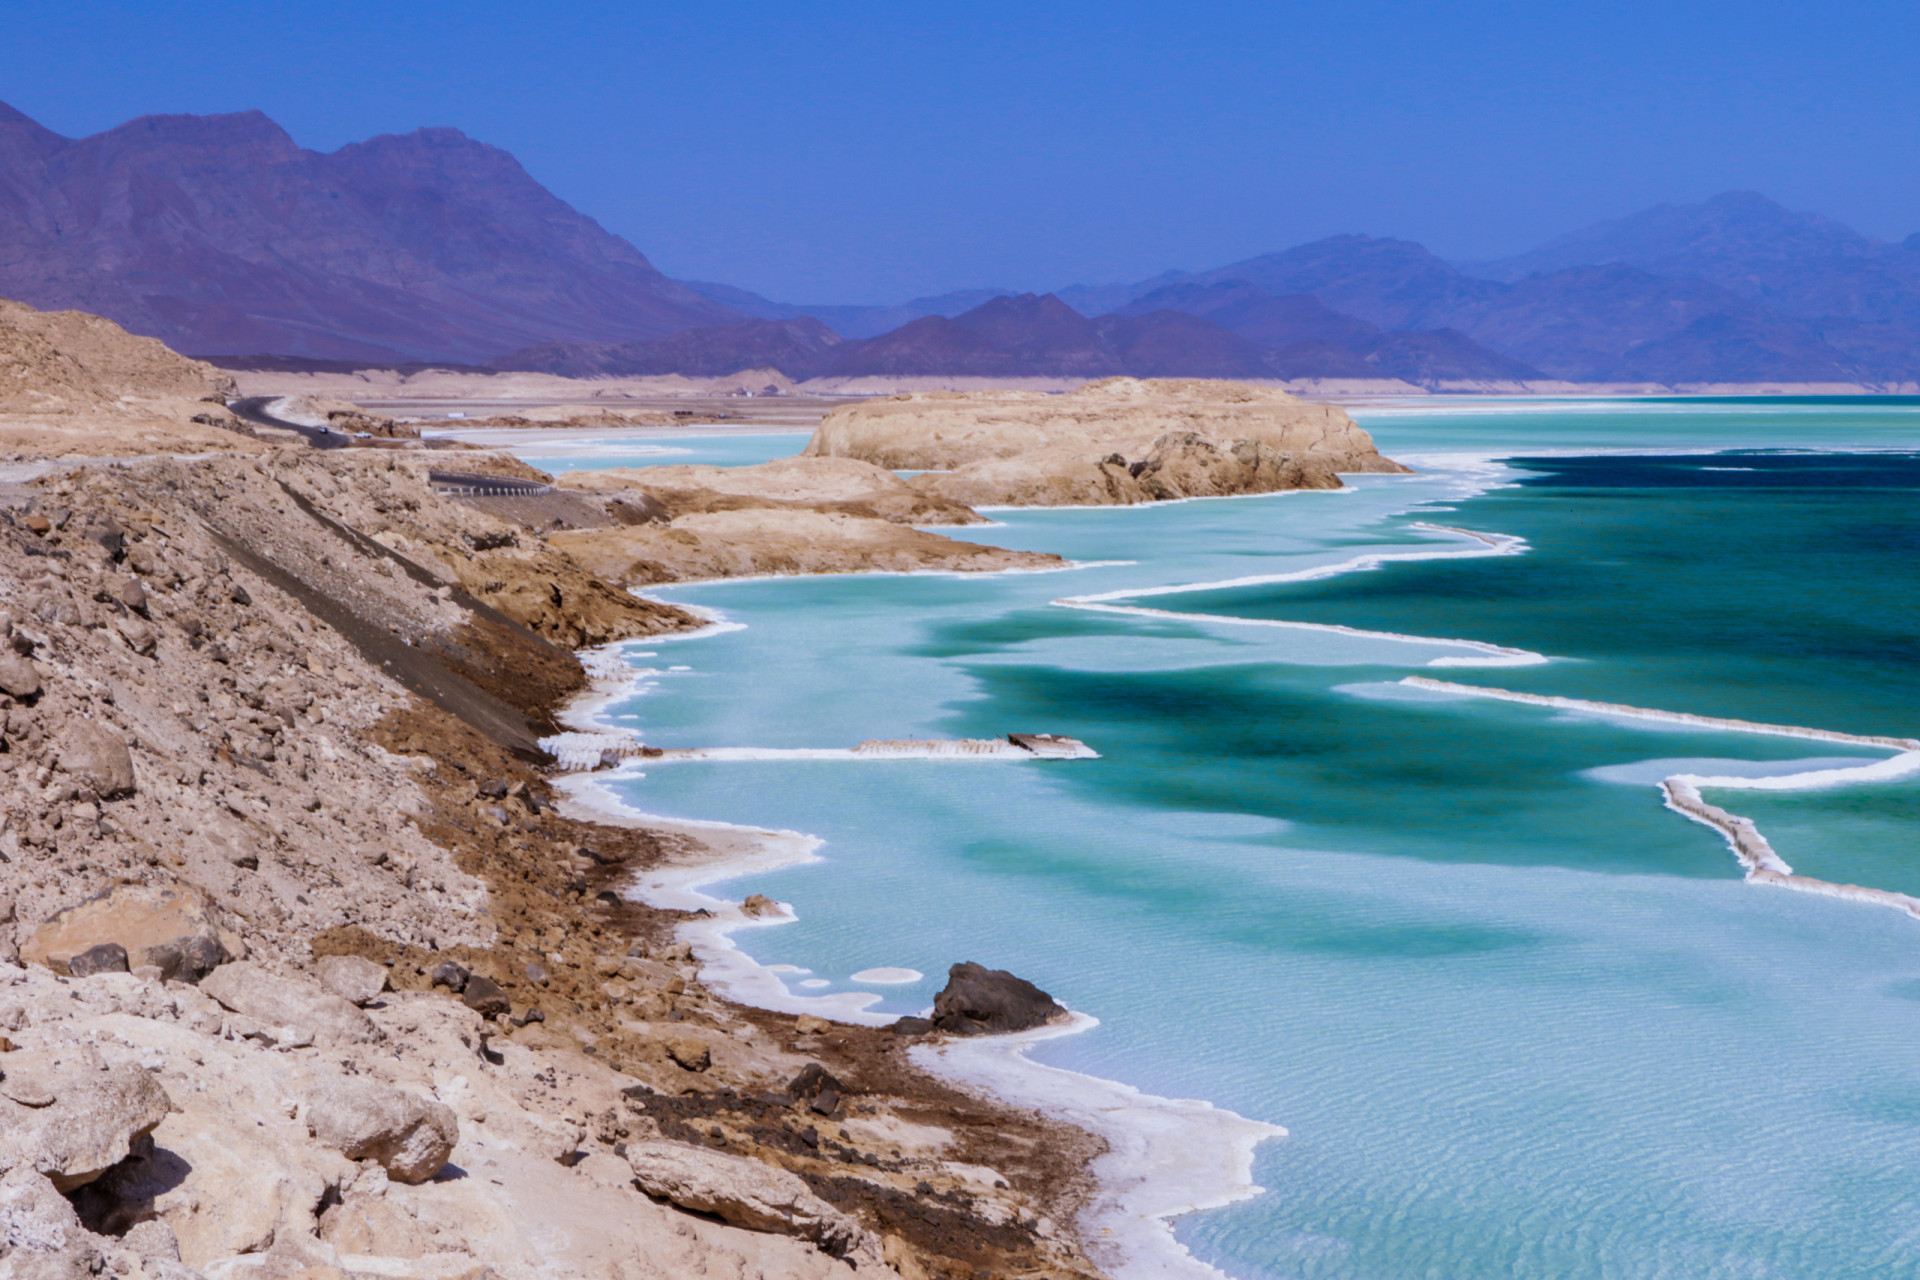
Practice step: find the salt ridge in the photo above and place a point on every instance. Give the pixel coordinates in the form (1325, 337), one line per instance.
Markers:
(1490, 544)
(1681, 791)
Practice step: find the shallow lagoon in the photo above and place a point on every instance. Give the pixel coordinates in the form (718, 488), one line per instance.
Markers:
(1519, 1019)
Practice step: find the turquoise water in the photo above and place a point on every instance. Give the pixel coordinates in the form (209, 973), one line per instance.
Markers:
(1519, 1019)
(729, 450)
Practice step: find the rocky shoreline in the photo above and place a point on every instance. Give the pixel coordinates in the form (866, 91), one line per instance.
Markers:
(226, 688)
(305, 969)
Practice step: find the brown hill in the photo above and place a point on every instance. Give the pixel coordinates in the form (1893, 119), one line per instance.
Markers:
(219, 235)
(71, 383)
(1030, 335)
(1023, 336)
(1173, 344)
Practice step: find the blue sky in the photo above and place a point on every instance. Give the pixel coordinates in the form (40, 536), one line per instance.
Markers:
(861, 152)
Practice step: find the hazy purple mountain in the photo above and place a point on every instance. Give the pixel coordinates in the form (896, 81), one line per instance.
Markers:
(218, 235)
(1312, 340)
(1031, 335)
(849, 320)
(1257, 315)
(800, 348)
(1027, 335)
(1859, 296)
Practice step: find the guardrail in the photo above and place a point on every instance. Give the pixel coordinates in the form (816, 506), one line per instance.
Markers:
(467, 484)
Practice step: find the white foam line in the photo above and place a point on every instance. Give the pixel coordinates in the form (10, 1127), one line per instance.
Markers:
(1000, 754)
(1616, 710)
(1491, 544)
(1153, 504)
(1681, 791)
(1166, 1156)
(1903, 765)
(1497, 655)
(1488, 655)
(612, 680)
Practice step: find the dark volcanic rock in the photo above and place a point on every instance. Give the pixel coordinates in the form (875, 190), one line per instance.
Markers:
(814, 1080)
(451, 974)
(484, 997)
(108, 957)
(982, 1001)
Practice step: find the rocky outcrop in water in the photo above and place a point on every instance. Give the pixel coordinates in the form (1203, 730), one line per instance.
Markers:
(981, 1001)
(1115, 442)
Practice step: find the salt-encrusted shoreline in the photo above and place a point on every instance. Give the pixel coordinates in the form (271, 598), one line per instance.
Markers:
(1166, 1157)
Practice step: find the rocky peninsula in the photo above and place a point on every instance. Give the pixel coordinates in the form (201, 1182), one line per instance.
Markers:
(1114, 442)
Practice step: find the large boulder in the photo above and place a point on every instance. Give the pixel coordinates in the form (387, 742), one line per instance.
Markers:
(18, 676)
(92, 753)
(34, 1216)
(288, 1000)
(172, 927)
(982, 1001)
(745, 1193)
(354, 979)
(69, 1116)
(410, 1136)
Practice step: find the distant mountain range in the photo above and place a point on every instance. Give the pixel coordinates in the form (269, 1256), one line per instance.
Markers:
(1028, 336)
(222, 237)
(1735, 289)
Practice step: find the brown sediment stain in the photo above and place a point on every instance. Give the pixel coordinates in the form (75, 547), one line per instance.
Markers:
(565, 931)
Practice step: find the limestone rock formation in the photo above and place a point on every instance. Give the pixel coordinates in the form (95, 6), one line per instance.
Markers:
(172, 927)
(982, 1001)
(71, 362)
(73, 382)
(410, 1136)
(97, 757)
(354, 979)
(70, 1116)
(41, 1237)
(745, 1193)
(848, 486)
(285, 1000)
(19, 678)
(1118, 441)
